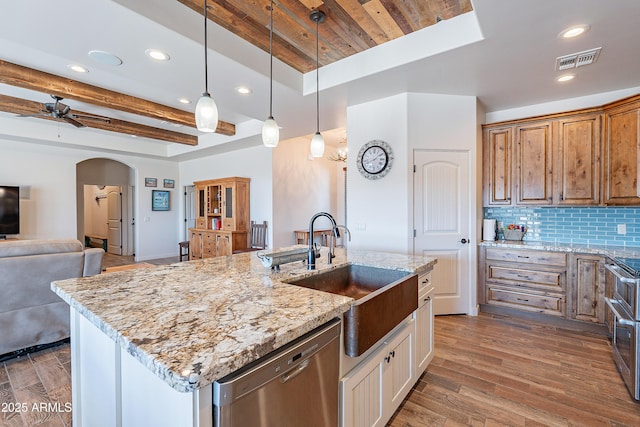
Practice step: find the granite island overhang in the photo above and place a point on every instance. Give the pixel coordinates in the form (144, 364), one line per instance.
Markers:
(191, 323)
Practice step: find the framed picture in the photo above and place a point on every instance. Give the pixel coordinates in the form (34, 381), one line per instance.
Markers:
(159, 200)
(169, 183)
(150, 182)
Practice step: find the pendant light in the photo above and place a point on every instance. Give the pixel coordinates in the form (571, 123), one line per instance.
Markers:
(206, 108)
(317, 142)
(270, 130)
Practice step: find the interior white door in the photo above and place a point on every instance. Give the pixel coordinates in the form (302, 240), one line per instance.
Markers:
(441, 220)
(114, 221)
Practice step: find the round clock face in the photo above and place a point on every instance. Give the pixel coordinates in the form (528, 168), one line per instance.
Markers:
(374, 159)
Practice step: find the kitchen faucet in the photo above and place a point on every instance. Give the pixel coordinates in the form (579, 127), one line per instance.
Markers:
(313, 253)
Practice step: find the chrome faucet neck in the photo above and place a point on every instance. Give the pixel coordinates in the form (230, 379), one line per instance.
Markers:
(312, 255)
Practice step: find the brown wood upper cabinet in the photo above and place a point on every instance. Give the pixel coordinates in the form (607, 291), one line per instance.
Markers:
(553, 162)
(620, 157)
(533, 164)
(577, 160)
(497, 165)
(584, 157)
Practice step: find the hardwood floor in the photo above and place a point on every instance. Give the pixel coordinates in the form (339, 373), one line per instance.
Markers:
(499, 371)
(35, 389)
(488, 370)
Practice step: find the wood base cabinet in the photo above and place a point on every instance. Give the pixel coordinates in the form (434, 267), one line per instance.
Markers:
(524, 279)
(568, 285)
(373, 391)
(587, 293)
(210, 243)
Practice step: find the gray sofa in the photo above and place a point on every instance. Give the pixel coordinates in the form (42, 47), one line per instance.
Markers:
(30, 313)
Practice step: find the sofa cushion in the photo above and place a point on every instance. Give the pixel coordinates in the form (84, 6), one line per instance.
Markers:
(26, 281)
(13, 248)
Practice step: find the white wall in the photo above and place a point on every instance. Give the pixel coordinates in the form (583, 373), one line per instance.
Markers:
(378, 214)
(569, 104)
(301, 188)
(254, 162)
(50, 173)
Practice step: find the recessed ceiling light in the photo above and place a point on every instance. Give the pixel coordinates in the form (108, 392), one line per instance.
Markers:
(184, 101)
(78, 68)
(574, 31)
(104, 57)
(565, 78)
(157, 54)
(243, 90)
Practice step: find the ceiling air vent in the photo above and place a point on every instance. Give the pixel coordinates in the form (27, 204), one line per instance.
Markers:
(576, 60)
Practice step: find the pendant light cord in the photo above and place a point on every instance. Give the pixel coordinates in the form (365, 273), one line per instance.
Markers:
(270, 62)
(206, 81)
(317, 82)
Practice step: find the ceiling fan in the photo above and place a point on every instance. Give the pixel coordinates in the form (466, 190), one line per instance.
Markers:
(58, 110)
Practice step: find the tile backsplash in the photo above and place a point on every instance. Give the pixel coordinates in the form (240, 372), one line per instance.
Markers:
(584, 225)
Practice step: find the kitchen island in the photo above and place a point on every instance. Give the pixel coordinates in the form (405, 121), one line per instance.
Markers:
(147, 344)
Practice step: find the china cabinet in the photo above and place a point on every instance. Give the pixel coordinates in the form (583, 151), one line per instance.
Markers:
(222, 217)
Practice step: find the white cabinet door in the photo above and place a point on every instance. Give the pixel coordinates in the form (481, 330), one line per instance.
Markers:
(424, 331)
(400, 373)
(362, 403)
(373, 391)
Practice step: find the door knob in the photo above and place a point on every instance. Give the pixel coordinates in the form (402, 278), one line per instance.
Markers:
(464, 241)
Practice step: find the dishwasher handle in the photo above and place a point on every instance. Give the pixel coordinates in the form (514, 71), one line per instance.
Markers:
(294, 372)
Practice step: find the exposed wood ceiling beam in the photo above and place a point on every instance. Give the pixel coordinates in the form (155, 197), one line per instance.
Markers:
(27, 78)
(14, 105)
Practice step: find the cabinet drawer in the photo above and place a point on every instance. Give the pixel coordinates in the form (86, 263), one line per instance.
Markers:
(548, 304)
(424, 286)
(529, 257)
(550, 280)
(201, 222)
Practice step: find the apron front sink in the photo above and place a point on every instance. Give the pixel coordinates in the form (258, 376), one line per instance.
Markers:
(383, 299)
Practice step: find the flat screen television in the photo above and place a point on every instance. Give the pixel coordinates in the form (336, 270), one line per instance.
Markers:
(9, 210)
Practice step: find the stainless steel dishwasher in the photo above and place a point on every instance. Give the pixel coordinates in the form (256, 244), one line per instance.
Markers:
(296, 385)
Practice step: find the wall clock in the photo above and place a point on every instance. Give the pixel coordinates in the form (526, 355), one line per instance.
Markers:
(375, 159)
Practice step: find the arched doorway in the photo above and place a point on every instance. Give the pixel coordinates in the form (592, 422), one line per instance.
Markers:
(104, 191)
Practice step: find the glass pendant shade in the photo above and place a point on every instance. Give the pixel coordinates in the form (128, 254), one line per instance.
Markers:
(270, 133)
(317, 145)
(206, 114)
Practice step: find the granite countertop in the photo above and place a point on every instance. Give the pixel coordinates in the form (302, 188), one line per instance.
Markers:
(193, 322)
(606, 250)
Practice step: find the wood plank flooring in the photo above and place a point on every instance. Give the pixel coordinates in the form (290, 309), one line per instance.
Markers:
(35, 389)
(499, 371)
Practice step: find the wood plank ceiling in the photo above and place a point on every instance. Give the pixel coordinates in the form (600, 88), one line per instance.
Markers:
(352, 26)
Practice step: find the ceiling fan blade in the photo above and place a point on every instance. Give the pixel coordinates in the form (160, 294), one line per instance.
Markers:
(74, 122)
(44, 113)
(87, 117)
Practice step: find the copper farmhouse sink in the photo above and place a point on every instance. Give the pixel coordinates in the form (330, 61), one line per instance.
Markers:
(383, 299)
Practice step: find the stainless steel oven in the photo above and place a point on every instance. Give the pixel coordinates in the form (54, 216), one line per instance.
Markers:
(623, 282)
